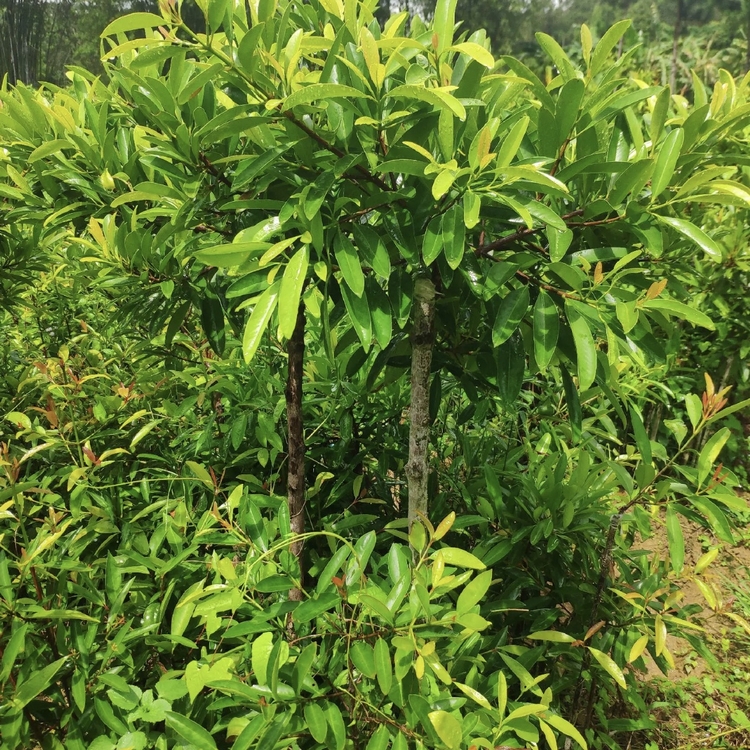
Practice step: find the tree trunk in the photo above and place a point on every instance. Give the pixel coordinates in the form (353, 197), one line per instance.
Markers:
(422, 340)
(296, 441)
(676, 45)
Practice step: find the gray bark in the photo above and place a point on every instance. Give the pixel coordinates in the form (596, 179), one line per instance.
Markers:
(422, 339)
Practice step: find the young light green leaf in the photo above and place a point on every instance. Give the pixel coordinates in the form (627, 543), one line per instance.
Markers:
(476, 52)
(444, 19)
(710, 453)
(461, 558)
(606, 45)
(447, 727)
(260, 653)
(609, 666)
(475, 695)
(133, 22)
(554, 636)
(473, 592)
(359, 314)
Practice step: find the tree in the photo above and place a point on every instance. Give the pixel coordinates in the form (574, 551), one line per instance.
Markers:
(399, 207)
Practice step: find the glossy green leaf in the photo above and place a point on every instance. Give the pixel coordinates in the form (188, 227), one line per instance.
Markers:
(316, 722)
(461, 558)
(473, 592)
(566, 728)
(606, 44)
(348, 262)
(258, 321)
(359, 314)
(383, 665)
(512, 142)
(321, 92)
(454, 236)
(694, 234)
(680, 310)
(190, 731)
(664, 167)
(432, 244)
(585, 347)
(233, 254)
(133, 22)
(290, 292)
(512, 310)
(546, 329)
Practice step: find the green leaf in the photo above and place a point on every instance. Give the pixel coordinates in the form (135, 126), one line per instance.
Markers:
(258, 321)
(383, 665)
(361, 655)
(316, 722)
(380, 739)
(133, 22)
(336, 725)
(694, 409)
(303, 666)
(260, 654)
(38, 682)
(546, 329)
(448, 728)
(609, 667)
(49, 148)
(475, 695)
(694, 234)
(233, 254)
(322, 91)
(432, 244)
(606, 45)
(585, 347)
(348, 262)
(710, 453)
(436, 97)
(454, 236)
(666, 161)
(313, 608)
(461, 558)
(510, 314)
(290, 292)
(659, 115)
(631, 181)
(194, 733)
(680, 310)
(512, 143)
(476, 52)
(359, 314)
(473, 592)
(554, 636)
(444, 19)
(566, 728)
(675, 540)
(641, 437)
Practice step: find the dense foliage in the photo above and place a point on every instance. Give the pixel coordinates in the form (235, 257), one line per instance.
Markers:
(334, 385)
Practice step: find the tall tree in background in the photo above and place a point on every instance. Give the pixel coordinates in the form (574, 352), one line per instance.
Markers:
(21, 32)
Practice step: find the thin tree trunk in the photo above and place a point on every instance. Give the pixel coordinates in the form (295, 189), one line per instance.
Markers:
(296, 441)
(676, 45)
(422, 340)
